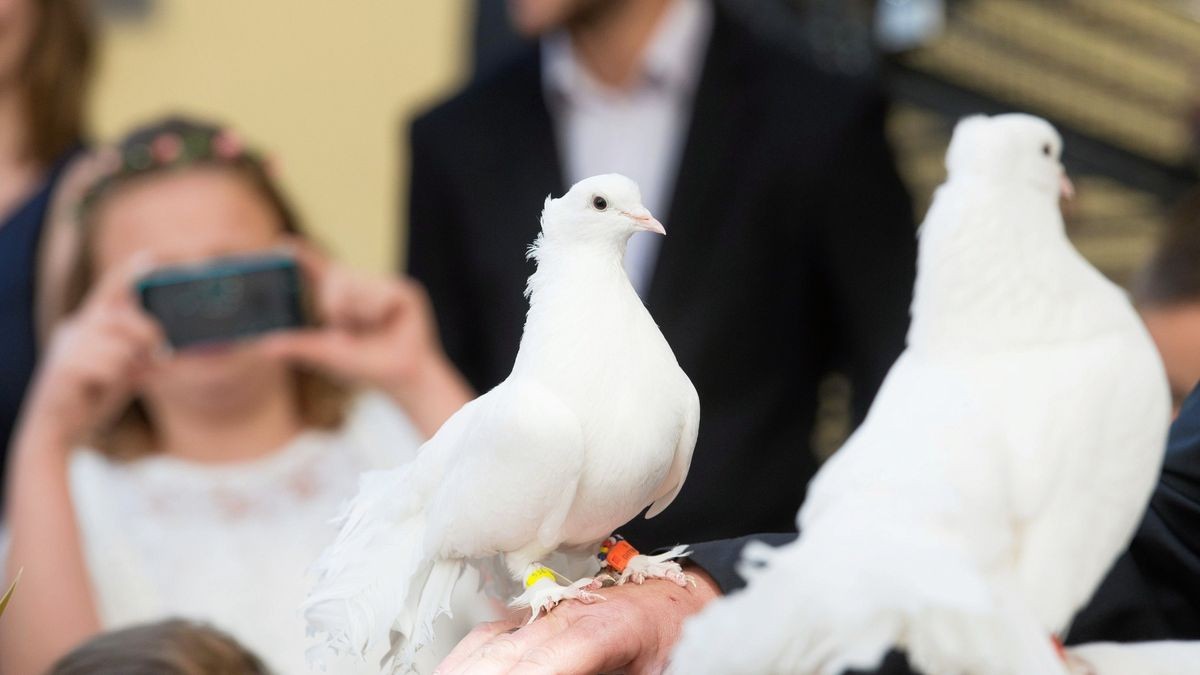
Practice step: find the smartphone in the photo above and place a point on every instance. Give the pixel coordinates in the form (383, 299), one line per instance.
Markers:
(225, 299)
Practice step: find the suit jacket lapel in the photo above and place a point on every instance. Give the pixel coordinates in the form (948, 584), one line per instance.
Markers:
(538, 137)
(706, 159)
(521, 163)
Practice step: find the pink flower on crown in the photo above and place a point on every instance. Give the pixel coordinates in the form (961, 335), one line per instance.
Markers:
(227, 145)
(166, 148)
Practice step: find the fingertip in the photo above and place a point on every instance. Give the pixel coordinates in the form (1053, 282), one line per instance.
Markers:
(137, 266)
(163, 352)
(308, 257)
(288, 245)
(414, 285)
(107, 158)
(155, 335)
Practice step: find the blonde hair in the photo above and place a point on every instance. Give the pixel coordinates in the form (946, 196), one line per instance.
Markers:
(321, 400)
(171, 647)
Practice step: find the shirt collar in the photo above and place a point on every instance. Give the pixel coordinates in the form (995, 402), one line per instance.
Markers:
(671, 63)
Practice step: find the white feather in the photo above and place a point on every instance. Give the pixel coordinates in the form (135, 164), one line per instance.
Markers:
(1001, 469)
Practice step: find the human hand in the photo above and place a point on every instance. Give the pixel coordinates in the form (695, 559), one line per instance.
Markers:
(378, 332)
(95, 359)
(632, 631)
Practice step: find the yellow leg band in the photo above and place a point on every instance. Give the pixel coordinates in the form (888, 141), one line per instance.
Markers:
(537, 575)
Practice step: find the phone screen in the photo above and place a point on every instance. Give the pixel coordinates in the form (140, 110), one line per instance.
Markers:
(225, 299)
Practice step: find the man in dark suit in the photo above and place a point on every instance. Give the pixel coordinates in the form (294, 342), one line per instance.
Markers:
(791, 249)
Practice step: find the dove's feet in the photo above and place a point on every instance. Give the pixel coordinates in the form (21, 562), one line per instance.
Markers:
(543, 592)
(640, 567)
(544, 595)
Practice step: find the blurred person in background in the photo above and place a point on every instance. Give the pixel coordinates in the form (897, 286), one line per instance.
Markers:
(45, 65)
(790, 250)
(201, 483)
(1166, 292)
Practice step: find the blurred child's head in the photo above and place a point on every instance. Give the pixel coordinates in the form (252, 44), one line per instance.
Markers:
(46, 56)
(1167, 294)
(173, 647)
(185, 192)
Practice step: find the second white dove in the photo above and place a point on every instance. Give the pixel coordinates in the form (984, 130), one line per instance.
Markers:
(1005, 462)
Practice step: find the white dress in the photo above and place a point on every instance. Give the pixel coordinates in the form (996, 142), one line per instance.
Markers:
(230, 544)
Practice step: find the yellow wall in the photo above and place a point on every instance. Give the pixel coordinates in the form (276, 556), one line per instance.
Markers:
(323, 86)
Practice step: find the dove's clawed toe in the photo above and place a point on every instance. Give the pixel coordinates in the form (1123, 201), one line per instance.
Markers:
(662, 566)
(545, 594)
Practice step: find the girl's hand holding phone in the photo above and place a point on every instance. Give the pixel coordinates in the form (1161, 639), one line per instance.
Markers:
(378, 332)
(94, 360)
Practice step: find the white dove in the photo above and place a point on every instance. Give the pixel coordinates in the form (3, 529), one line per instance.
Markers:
(1005, 462)
(596, 422)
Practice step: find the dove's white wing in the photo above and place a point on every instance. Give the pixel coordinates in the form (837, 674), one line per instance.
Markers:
(929, 449)
(1080, 474)
(683, 454)
(512, 477)
(487, 481)
(882, 559)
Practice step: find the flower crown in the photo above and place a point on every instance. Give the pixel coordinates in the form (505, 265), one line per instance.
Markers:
(173, 149)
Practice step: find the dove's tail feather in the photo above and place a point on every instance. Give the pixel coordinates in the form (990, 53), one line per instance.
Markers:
(433, 587)
(842, 601)
(374, 582)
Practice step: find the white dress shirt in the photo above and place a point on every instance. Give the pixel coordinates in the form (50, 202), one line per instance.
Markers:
(638, 131)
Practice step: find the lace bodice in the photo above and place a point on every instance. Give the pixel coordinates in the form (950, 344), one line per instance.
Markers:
(230, 543)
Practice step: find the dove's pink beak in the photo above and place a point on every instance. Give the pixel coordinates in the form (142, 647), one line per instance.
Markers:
(644, 221)
(1065, 187)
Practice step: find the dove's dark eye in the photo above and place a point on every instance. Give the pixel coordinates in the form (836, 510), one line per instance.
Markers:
(599, 203)
(1046, 149)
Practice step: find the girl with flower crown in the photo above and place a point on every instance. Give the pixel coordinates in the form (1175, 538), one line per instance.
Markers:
(147, 484)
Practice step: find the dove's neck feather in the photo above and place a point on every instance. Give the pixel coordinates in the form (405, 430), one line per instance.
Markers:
(578, 286)
(564, 264)
(995, 269)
